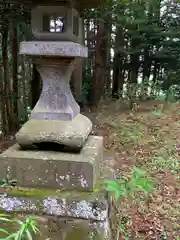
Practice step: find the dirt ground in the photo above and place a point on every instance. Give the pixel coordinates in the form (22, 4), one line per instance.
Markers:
(147, 137)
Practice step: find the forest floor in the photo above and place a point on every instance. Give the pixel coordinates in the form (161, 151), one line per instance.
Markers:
(146, 137)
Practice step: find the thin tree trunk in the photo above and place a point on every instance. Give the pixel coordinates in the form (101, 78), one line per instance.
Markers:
(87, 76)
(7, 88)
(118, 77)
(35, 87)
(134, 66)
(108, 67)
(76, 79)
(100, 63)
(4, 127)
(15, 75)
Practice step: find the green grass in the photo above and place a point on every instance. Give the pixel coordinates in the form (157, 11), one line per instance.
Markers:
(25, 229)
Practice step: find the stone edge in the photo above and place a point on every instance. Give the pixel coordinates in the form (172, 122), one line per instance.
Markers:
(56, 48)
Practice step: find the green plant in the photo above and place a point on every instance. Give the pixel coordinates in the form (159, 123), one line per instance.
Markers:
(125, 187)
(8, 182)
(130, 133)
(163, 236)
(122, 227)
(158, 111)
(25, 231)
(173, 93)
(165, 161)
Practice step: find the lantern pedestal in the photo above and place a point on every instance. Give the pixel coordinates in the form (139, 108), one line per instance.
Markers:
(69, 134)
(56, 117)
(55, 158)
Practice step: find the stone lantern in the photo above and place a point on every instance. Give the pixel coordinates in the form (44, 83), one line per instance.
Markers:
(54, 148)
(56, 116)
(60, 22)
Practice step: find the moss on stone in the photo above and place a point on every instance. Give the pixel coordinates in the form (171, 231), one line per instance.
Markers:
(67, 194)
(41, 193)
(32, 192)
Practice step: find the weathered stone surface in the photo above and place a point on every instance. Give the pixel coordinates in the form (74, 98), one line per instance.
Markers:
(57, 112)
(56, 48)
(78, 229)
(65, 33)
(52, 169)
(72, 134)
(66, 229)
(56, 101)
(60, 207)
(86, 205)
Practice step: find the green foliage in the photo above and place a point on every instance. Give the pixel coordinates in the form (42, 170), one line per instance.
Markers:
(24, 113)
(173, 93)
(122, 227)
(158, 111)
(130, 133)
(8, 182)
(146, 36)
(125, 187)
(164, 236)
(25, 231)
(163, 160)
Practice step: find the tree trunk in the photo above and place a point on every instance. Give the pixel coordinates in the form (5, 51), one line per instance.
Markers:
(134, 68)
(7, 83)
(154, 77)
(76, 79)
(100, 63)
(15, 75)
(108, 67)
(118, 77)
(36, 87)
(146, 64)
(4, 127)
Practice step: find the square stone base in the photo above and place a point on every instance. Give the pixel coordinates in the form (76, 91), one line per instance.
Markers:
(63, 215)
(50, 169)
(60, 203)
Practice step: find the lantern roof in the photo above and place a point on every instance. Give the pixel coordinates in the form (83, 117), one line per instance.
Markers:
(79, 4)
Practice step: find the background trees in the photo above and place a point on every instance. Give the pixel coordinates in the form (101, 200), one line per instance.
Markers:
(134, 53)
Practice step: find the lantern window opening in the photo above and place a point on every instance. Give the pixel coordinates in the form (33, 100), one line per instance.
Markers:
(53, 23)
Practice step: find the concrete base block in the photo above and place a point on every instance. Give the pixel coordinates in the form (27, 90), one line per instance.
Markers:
(63, 215)
(52, 169)
(60, 203)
